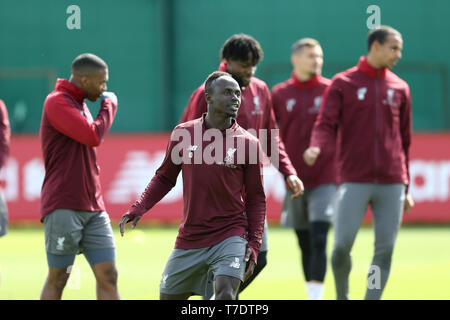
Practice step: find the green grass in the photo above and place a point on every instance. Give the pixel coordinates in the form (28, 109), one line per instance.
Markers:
(420, 270)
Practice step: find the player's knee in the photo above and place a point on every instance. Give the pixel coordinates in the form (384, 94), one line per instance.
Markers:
(383, 255)
(58, 279)
(340, 251)
(226, 288)
(108, 276)
(319, 242)
(225, 293)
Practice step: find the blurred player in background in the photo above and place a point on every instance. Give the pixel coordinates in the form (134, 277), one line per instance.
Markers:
(296, 104)
(239, 56)
(224, 201)
(368, 110)
(5, 136)
(72, 207)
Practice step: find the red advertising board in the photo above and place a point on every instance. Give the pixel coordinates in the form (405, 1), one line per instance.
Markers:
(128, 162)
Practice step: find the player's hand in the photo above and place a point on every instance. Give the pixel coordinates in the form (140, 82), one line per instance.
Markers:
(296, 185)
(310, 155)
(109, 95)
(125, 219)
(408, 204)
(250, 264)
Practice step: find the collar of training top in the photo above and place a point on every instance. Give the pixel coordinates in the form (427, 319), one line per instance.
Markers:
(367, 69)
(234, 125)
(66, 86)
(310, 83)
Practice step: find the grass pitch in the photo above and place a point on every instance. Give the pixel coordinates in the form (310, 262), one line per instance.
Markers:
(420, 268)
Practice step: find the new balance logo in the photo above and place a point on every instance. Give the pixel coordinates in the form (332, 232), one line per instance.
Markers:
(290, 105)
(235, 264)
(361, 93)
(191, 149)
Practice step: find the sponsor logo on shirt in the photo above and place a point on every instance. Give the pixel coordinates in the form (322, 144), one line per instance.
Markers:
(258, 109)
(290, 105)
(191, 149)
(361, 93)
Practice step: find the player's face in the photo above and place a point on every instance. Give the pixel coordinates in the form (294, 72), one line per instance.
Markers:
(95, 84)
(309, 60)
(225, 97)
(390, 51)
(242, 71)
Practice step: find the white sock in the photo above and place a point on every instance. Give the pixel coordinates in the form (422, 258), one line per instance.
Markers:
(213, 297)
(315, 290)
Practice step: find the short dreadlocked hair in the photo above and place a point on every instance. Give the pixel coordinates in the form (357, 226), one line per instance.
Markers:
(239, 46)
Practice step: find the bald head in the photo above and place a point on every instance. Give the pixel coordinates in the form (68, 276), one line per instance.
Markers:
(87, 64)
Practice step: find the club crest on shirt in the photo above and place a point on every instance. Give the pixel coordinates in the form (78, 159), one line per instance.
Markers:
(361, 93)
(316, 107)
(257, 104)
(228, 161)
(290, 103)
(390, 98)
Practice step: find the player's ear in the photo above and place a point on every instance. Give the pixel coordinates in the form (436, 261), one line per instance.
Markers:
(208, 98)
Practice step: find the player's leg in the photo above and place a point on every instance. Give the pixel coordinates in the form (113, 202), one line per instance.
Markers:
(184, 274)
(320, 215)
(63, 232)
(99, 249)
(387, 208)
(3, 215)
(295, 215)
(226, 261)
(226, 287)
(262, 259)
(349, 207)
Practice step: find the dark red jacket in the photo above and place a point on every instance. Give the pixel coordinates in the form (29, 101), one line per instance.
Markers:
(255, 112)
(215, 195)
(368, 111)
(69, 136)
(296, 105)
(5, 134)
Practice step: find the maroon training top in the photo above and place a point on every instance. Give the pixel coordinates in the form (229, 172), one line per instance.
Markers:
(69, 136)
(5, 134)
(368, 110)
(217, 194)
(296, 105)
(255, 112)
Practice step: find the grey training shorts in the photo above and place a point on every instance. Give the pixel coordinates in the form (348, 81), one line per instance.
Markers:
(313, 205)
(69, 232)
(187, 269)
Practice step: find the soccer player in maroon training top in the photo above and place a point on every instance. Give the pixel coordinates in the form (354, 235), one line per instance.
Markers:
(296, 104)
(240, 55)
(224, 200)
(72, 207)
(367, 112)
(5, 136)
